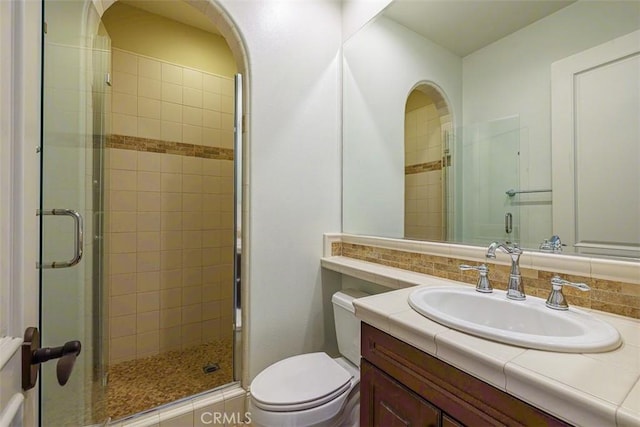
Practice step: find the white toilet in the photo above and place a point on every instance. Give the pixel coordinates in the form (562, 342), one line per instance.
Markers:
(313, 389)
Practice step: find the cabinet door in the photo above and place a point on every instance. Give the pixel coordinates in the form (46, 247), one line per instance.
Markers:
(384, 402)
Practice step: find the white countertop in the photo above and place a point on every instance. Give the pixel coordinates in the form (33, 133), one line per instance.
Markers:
(591, 389)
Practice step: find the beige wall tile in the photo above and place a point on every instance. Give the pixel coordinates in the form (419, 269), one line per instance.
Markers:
(122, 305)
(122, 180)
(124, 124)
(171, 93)
(170, 317)
(150, 88)
(126, 83)
(123, 103)
(171, 112)
(192, 257)
(226, 139)
(170, 240)
(211, 330)
(150, 108)
(122, 159)
(149, 128)
(211, 119)
(171, 182)
(171, 131)
(192, 134)
(192, 220)
(191, 334)
(211, 184)
(171, 338)
(191, 314)
(210, 137)
(123, 61)
(147, 343)
(192, 165)
(211, 292)
(149, 201)
(172, 73)
(192, 97)
(211, 83)
(192, 276)
(226, 86)
(147, 301)
(171, 279)
(122, 326)
(226, 122)
(147, 322)
(148, 241)
(122, 263)
(191, 202)
(226, 104)
(171, 260)
(211, 310)
(122, 242)
(171, 163)
(192, 239)
(148, 221)
(122, 284)
(120, 200)
(149, 162)
(171, 221)
(149, 68)
(122, 348)
(192, 78)
(170, 298)
(192, 183)
(148, 281)
(179, 421)
(171, 202)
(148, 261)
(148, 181)
(211, 101)
(191, 295)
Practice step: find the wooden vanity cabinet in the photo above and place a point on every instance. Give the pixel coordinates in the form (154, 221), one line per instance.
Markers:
(403, 386)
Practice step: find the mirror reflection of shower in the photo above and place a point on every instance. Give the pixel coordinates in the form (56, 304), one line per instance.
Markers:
(428, 158)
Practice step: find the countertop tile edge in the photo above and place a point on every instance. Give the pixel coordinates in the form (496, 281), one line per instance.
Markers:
(560, 400)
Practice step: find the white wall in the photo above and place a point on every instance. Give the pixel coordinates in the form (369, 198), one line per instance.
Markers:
(382, 63)
(294, 158)
(513, 77)
(356, 13)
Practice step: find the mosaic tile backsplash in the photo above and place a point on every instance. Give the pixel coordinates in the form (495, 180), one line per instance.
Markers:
(606, 295)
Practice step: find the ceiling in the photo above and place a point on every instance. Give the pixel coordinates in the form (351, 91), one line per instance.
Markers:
(175, 10)
(464, 26)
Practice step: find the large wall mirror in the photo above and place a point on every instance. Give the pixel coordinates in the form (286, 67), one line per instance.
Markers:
(473, 121)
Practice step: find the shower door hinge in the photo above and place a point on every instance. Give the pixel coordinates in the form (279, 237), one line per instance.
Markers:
(44, 27)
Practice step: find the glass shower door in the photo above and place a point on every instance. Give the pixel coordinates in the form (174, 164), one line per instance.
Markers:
(76, 54)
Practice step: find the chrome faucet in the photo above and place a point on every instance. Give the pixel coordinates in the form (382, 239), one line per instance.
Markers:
(515, 290)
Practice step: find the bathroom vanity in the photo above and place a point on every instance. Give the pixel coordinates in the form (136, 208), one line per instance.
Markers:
(415, 367)
(401, 385)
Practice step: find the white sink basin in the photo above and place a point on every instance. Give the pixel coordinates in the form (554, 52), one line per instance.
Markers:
(527, 323)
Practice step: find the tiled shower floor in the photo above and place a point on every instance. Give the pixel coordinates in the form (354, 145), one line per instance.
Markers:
(142, 384)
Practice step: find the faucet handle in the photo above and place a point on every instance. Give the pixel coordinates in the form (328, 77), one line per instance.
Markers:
(556, 299)
(483, 284)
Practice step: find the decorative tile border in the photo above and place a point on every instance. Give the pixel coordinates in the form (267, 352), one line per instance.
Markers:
(611, 296)
(157, 146)
(423, 167)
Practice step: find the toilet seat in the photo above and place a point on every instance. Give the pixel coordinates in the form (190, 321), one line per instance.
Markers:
(300, 382)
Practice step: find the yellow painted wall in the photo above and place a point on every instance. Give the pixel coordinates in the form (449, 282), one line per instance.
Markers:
(138, 31)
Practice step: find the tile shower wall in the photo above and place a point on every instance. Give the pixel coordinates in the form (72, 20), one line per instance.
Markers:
(423, 174)
(169, 239)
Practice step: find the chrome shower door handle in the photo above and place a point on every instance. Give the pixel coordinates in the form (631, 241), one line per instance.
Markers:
(508, 223)
(78, 240)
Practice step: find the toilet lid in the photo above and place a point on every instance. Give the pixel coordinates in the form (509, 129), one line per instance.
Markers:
(300, 382)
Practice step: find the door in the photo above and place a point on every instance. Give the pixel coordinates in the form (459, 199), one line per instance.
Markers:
(595, 150)
(76, 52)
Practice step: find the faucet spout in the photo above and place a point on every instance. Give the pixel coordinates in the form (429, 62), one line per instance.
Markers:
(515, 290)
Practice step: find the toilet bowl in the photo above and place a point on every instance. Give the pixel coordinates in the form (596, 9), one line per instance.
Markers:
(314, 389)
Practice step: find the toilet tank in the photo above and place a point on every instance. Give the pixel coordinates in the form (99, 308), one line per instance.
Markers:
(346, 323)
